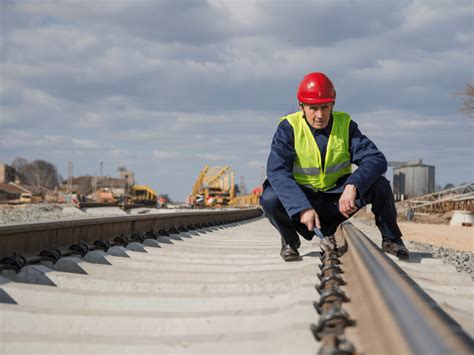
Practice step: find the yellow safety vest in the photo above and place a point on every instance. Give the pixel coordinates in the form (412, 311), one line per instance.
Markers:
(307, 167)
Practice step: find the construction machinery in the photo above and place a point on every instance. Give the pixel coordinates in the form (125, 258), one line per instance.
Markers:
(105, 195)
(143, 195)
(456, 198)
(213, 187)
(247, 200)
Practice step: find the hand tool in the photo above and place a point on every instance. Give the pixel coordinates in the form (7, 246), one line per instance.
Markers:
(324, 241)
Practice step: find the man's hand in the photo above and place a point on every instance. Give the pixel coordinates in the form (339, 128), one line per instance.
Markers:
(310, 218)
(346, 202)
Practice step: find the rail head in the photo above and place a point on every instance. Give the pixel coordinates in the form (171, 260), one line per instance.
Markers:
(412, 321)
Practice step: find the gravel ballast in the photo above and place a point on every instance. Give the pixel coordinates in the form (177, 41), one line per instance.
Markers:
(38, 213)
(18, 214)
(463, 260)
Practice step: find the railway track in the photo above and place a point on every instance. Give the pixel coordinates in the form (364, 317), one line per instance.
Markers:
(208, 282)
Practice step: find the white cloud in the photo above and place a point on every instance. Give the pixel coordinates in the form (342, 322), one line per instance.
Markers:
(85, 143)
(255, 164)
(117, 152)
(91, 120)
(4, 119)
(217, 157)
(161, 154)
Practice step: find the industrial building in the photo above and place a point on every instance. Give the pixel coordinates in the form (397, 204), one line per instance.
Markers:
(412, 178)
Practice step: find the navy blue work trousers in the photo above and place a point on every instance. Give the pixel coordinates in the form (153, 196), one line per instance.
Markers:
(326, 205)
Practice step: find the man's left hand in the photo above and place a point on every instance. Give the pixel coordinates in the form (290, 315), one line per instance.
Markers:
(346, 202)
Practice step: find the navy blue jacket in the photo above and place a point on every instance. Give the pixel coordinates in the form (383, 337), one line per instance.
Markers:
(370, 161)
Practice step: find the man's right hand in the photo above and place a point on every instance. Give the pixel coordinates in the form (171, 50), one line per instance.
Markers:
(310, 218)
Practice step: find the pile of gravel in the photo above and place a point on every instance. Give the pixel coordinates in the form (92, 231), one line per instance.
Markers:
(44, 212)
(462, 260)
(38, 213)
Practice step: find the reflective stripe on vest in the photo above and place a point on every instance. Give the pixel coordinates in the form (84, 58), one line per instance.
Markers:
(305, 171)
(337, 167)
(307, 167)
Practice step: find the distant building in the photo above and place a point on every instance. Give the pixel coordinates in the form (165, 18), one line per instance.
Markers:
(13, 193)
(90, 186)
(118, 187)
(128, 176)
(412, 179)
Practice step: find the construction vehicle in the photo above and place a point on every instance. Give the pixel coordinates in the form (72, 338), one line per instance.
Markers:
(252, 199)
(26, 197)
(143, 195)
(214, 187)
(105, 195)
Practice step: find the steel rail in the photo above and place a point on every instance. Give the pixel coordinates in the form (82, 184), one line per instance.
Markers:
(33, 237)
(123, 206)
(394, 315)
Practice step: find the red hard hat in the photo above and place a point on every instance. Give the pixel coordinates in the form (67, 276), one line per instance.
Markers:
(316, 88)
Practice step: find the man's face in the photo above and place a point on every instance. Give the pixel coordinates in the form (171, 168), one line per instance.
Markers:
(318, 115)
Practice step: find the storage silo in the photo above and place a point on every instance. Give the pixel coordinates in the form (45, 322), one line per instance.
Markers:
(412, 179)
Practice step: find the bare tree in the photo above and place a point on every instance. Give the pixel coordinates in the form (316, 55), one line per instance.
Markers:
(21, 166)
(39, 173)
(468, 99)
(44, 174)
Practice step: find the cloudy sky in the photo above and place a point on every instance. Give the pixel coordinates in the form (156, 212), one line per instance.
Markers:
(165, 87)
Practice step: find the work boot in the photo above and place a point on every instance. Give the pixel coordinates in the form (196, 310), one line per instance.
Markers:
(290, 253)
(395, 247)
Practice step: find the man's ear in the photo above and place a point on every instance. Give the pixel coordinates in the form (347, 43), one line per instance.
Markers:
(302, 111)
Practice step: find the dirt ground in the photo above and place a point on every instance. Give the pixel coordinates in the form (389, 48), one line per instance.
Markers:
(438, 235)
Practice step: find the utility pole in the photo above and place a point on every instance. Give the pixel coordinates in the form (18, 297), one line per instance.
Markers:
(101, 168)
(94, 186)
(69, 176)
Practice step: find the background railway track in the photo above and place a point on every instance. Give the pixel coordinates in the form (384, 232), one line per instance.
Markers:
(211, 289)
